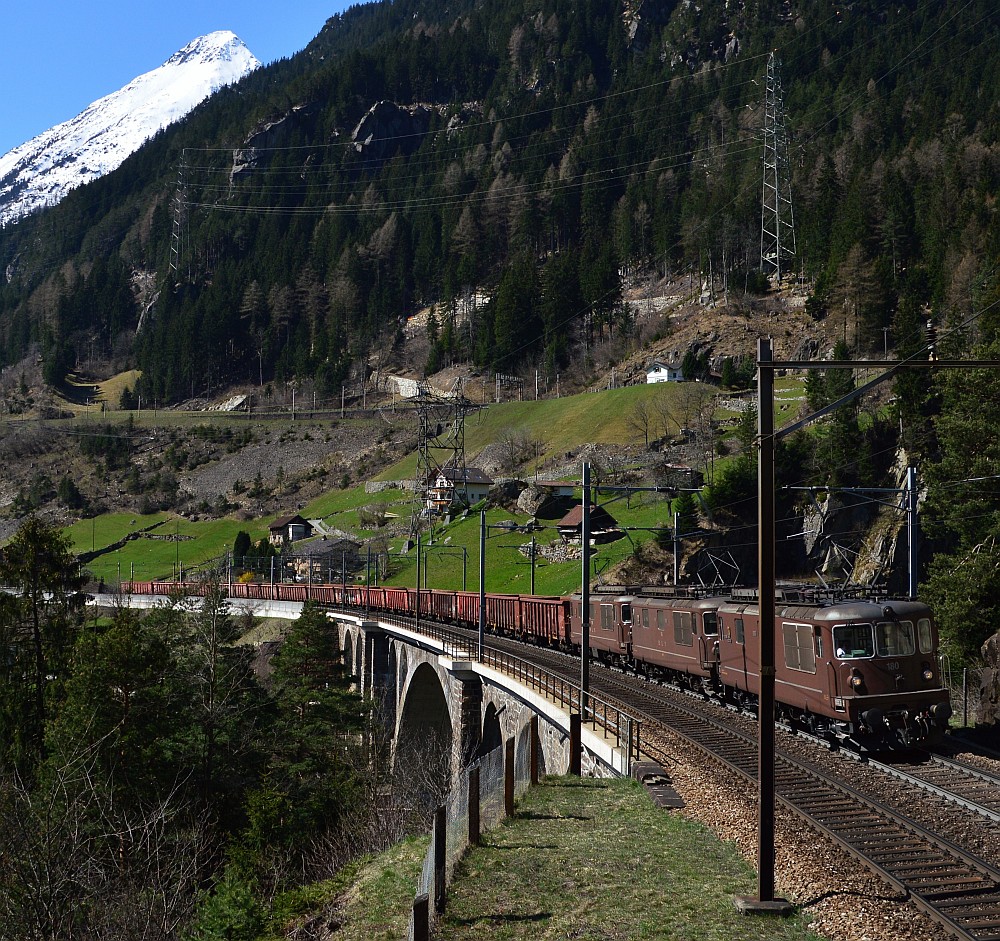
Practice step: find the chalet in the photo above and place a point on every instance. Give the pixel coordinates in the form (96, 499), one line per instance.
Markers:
(453, 486)
(603, 526)
(289, 529)
(326, 559)
(659, 371)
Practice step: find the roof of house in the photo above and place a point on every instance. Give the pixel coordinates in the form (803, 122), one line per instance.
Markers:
(473, 475)
(284, 521)
(324, 546)
(600, 519)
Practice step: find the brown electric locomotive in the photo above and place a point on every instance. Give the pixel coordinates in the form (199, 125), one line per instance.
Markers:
(846, 667)
(855, 668)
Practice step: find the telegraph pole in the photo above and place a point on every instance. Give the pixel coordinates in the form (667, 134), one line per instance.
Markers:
(767, 439)
(482, 582)
(911, 530)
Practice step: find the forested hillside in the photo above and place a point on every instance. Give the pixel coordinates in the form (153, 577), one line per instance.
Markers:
(534, 152)
(518, 165)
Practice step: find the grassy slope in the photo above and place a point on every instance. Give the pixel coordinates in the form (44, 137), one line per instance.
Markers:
(559, 425)
(582, 858)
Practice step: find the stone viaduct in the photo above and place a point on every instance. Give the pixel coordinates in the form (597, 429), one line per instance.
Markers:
(466, 708)
(424, 693)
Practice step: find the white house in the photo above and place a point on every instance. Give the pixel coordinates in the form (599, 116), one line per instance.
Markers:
(450, 487)
(658, 371)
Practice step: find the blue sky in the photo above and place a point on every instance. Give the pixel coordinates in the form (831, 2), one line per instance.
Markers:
(57, 56)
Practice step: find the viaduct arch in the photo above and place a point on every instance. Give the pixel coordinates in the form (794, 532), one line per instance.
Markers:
(461, 709)
(423, 692)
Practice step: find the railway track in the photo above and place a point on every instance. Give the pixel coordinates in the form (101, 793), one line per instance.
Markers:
(952, 885)
(952, 779)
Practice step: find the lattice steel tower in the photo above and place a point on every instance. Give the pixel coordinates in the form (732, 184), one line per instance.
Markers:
(180, 216)
(440, 446)
(777, 221)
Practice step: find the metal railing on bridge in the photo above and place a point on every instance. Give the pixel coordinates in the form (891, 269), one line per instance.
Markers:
(617, 724)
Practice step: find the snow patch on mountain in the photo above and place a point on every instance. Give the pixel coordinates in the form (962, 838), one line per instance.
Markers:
(42, 171)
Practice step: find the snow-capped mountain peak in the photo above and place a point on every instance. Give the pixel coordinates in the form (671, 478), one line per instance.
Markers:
(40, 172)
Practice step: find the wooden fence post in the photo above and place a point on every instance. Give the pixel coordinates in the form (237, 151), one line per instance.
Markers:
(474, 806)
(575, 744)
(440, 859)
(508, 778)
(535, 746)
(421, 918)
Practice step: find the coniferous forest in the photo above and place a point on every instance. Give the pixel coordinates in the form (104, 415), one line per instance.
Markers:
(513, 165)
(535, 153)
(156, 783)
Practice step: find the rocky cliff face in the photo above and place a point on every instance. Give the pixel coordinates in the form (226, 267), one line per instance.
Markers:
(390, 128)
(988, 712)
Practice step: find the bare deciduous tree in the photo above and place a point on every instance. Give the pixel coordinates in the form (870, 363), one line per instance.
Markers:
(80, 863)
(516, 446)
(400, 789)
(641, 420)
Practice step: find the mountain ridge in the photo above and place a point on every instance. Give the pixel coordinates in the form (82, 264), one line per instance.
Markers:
(39, 172)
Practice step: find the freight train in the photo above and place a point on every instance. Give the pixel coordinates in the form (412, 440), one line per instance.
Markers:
(848, 667)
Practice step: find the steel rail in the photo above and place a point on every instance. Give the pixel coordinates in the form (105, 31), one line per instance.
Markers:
(958, 782)
(952, 886)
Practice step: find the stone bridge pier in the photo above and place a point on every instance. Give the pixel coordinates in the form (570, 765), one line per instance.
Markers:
(454, 710)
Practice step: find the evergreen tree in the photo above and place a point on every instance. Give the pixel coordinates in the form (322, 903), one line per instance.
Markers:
(39, 622)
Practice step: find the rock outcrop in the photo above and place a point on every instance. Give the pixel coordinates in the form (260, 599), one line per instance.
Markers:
(988, 712)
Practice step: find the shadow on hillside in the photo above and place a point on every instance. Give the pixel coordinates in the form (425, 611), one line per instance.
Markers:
(529, 815)
(78, 391)
(500, 919)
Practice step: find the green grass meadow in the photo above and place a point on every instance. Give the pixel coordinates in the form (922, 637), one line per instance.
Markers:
(556, 425)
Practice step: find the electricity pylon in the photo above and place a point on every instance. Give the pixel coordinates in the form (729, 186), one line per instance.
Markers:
(777, 221)
(180, 214)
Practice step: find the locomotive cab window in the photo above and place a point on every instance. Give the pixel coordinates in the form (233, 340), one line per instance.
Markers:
(894, 638)
(645, 617)
(925, 636)
(607, 617)
(661, 618)
(800, 654)
(738, 624)
(626, 613)
(710, 623)
(852, 641)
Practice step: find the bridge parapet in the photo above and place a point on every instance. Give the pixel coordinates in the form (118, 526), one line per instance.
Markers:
(486, 705)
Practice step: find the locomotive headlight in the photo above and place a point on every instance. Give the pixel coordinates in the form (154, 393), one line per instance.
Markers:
(928, 674)
(856, 680)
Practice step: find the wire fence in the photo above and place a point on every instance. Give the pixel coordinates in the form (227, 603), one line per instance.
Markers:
(965, 685)
(481, 798)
